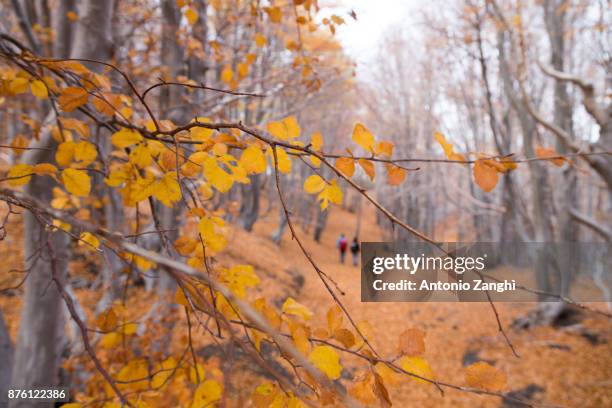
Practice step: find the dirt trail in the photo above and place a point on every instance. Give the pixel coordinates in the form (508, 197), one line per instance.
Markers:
(456, 332)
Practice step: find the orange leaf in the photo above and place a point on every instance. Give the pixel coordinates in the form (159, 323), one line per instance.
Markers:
(483, 375)
(411, 342)
(72, 97)
(368, 167)
(395, 175)
(346, 166)
(546, 153)
(384, 148)
(485, 175)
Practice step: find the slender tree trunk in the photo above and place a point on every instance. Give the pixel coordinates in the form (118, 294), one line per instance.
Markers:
(37, 353)
(562, 117)
(249, 207)
(172, 60)
(320, 223)
(6, 360)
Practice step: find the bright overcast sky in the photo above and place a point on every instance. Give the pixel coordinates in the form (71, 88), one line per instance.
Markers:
(374, 17)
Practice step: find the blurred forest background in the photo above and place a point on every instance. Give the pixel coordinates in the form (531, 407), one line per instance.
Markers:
(520, 86)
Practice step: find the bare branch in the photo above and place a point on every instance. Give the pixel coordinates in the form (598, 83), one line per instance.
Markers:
(588, 92)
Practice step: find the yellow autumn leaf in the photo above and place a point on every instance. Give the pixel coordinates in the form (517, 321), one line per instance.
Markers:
(39, 89)
(277, 129)
(418, 366)
(125, 138)
(78, 126)
(243, 69)
(134, 376)
(144, 265)
(485, 175)
(107, 320)
(210, 231)
(293, 127)
(192, 15)
(44, 169)
(18, 143)
(314, 184)
(65, 153)
(72, 98)
(315, 161)
(207, 393)
(300, 338)
(253, 160)
(239, 278)
(316, 141)
(484, 376)
(330, 194)
(185, 245)
(334, 318)
(260, 40)
(201, 134)
(326, 359)
(275, 14)
(197, 372)
(116, 177)
(110, 340)
(181, 298)
(18, 85)
(384, 148)
(85, 153)
(77, 182)
(216, 176)
(20, 174)
(87, 238)
(291, 307)
(72, 16)
(285, 129)
(141, 156)
(227, 75)
(167, 189)
(363, 137)
(163, 373)
(283, 160)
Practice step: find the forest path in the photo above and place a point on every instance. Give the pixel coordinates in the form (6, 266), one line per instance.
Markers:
(457, 333)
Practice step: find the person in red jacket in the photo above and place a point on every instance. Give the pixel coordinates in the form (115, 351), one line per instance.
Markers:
(342, 244)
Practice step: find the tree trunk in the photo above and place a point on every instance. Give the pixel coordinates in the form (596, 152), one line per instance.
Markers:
(282, 224)
(37, 354)
(6, 359)
(249, 207)
(320, 223)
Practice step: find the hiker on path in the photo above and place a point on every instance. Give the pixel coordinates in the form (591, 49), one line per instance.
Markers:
(341, 244)
(355, 251)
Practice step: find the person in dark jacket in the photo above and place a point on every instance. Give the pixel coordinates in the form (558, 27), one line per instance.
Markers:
(355, 251)
(342, 244)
